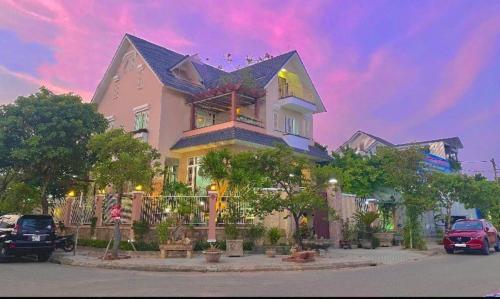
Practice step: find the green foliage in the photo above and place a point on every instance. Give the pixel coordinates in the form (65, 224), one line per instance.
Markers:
(364, 221)
(248, 245)
(163, 230)
(256, 231)
(122, 159)
(140, 228)
(176, 188)
(348, 231)
(231, 231)
(357, 174)
(43, 142)
(19, 198)
(201, 245)
(274, 234)
(124, 245)
(216, 165)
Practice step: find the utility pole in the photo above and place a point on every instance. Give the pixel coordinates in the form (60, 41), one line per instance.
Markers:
(495, 171)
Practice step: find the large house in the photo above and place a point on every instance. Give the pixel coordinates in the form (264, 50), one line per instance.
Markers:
(184, 107)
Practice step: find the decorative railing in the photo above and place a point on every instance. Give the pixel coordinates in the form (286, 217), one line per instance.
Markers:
(160, 208)
(126, 209)
(83, 214)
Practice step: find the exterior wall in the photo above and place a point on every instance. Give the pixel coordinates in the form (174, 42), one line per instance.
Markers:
(174, 120)
(130, 96)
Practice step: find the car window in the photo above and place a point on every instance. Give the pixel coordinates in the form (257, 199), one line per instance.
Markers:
(31, 225)
(467, 225)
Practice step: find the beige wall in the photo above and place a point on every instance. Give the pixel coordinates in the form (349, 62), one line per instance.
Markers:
(130, 96)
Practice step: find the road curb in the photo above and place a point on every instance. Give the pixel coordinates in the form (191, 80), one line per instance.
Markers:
(215, 268)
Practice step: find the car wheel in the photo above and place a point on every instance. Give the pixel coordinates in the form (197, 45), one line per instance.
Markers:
(497, 244)
(43, 257)
(486, 247)
(450, 251)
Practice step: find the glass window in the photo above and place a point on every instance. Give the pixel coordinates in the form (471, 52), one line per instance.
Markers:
(467, 225)
(290, 125)
(141, 120)
(275, 120)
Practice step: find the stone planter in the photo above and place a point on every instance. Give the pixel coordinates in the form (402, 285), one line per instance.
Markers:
(234, 247)
(271, 252)
(212, 256)
(385, 239)
(168, 249)
(366, 243)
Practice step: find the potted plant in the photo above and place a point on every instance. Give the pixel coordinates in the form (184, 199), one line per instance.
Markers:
(386, 233)
(234, 245)
(348, 233)
(365, 221)
(274, 235)
(212, 254)
(255, 233)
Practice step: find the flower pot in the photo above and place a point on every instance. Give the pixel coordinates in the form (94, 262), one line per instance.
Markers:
(385, 239)
(366, 243)
(234, 247)
(271, 252)
(345, 244)
(212, 256)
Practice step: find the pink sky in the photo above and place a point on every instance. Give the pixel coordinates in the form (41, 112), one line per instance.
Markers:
(402, 70)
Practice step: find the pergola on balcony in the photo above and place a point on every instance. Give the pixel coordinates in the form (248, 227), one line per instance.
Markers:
(227, 103)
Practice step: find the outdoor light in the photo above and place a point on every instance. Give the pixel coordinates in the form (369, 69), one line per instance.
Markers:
(333, 181)
(71, 193)
(202, 203)
(291, 175)
(138, 187)
(167, 210)
(213, 187)
(283, 70)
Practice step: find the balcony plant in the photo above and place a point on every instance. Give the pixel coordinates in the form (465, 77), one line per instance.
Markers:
(348, 234)
(365, 230)
(274, 235)
(387, 210)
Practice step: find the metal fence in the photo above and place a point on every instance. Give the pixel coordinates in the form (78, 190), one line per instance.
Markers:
(83, 214)
(157, 209)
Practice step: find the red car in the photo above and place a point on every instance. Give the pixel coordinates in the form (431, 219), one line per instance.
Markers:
(472, 234)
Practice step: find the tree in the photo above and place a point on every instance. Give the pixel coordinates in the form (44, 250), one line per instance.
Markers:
(300, 183)
(405, 173)
(448, 189)
(43, 141)
(357, 174)
(120, 160)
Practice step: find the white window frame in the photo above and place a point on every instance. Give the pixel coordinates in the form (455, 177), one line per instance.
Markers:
(194, 166)
(292, 129)
(275, 120)
(111, 122)
(143, 111)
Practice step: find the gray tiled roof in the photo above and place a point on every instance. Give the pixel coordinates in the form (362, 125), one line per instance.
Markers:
(161, 60)
(245, 135)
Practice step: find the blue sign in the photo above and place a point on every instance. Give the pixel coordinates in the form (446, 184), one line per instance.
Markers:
(434, 162)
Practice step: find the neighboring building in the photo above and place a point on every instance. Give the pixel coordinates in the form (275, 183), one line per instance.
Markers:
(183, 108)
(440, 155)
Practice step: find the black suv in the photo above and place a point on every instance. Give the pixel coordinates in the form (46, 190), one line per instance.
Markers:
(22, 235)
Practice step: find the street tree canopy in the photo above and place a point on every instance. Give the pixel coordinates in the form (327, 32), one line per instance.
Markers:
(43, 141)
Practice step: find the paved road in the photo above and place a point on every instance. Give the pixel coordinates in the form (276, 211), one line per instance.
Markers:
(448, 275)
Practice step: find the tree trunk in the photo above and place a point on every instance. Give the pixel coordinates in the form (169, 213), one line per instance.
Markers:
(298, 238)
(448, 215)
(117, 234)
(43, 197)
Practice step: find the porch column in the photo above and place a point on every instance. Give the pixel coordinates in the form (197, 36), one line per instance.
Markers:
(99, 199)
(234, 100)
(193, 117)
(257, 107)
(67, 211)
(212, 215)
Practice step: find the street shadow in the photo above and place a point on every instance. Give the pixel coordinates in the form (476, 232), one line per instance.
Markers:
(18, 260)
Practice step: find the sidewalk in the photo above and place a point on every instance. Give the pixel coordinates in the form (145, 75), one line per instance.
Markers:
(332, 259)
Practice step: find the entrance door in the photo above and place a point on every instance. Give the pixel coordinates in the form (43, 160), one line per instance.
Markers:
(321, 225)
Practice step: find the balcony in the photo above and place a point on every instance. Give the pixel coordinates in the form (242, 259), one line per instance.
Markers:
(295, 101)
(297, 141)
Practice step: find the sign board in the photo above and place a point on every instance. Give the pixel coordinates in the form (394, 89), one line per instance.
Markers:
(116, 212)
